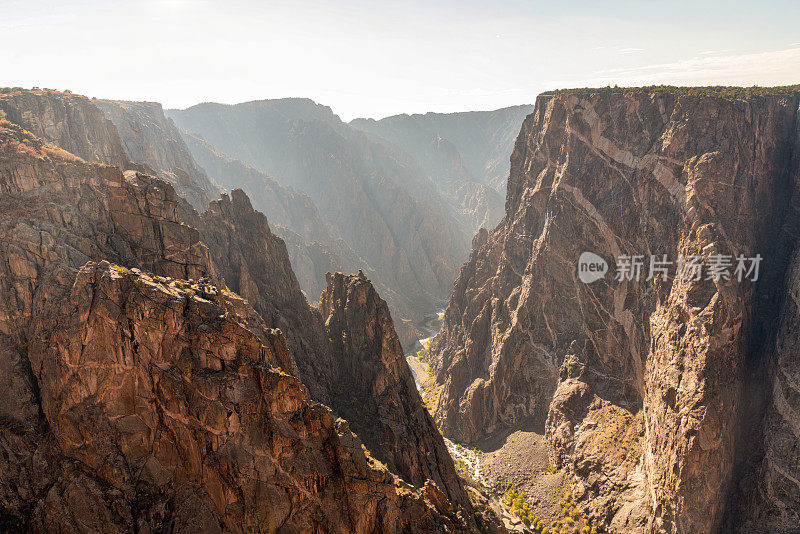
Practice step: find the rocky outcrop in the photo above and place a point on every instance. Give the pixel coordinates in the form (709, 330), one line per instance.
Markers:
(375, 388)
(347, 352)
(371, 193)
(69, 121)
(645, 387)
(153, 140)
(139, 395)
(254, 263)
(172, 395)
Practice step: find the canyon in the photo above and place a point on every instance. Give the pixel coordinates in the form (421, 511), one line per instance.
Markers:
(142, 393)
(203, 316)
(401, 212)
(369, 192)
(669, 403)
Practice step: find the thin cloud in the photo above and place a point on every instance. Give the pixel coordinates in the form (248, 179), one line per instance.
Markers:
(630, 50)
(777, 67)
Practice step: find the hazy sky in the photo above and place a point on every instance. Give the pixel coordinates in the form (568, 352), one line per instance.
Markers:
(377, 58)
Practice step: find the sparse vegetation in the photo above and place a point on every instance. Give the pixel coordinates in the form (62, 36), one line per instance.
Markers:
(521, 508)
(716, 91)
(430, 398)
(430, 390)
(573, 520)
(551, 469)
(462, 469)
(424, 355)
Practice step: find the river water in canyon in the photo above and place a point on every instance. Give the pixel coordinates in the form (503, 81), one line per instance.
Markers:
(470, 457)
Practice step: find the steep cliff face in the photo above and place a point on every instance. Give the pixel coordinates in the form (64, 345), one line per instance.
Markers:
(768, 493)
(194, 424)
(375, 390)
(58, 210)
(471, 169)
(643, 386)
(152, 399)
(347, 353)
(151, 139)
(372, 193)
(71, 122)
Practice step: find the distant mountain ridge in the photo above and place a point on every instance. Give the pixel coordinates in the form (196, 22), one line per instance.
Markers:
(315, 248)
(370, 192)
(484, 139)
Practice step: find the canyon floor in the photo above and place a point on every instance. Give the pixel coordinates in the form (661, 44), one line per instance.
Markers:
(517, 459)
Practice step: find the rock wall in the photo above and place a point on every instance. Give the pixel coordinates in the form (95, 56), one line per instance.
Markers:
(69, 121)
(347, 352)
(139, 395)
(152, 139)
(643, 387)
(374, 387)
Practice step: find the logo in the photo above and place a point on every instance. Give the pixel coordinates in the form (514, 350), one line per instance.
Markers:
(591, 267)
(719, 268)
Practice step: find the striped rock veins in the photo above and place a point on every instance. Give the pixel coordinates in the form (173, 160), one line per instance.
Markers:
(671, 403)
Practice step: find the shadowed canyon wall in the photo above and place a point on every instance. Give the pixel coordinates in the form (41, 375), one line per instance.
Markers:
(648, 390)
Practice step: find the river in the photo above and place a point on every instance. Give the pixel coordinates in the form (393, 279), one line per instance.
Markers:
(470, 457)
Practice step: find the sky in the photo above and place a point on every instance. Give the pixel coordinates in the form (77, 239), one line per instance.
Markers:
(379, 58)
